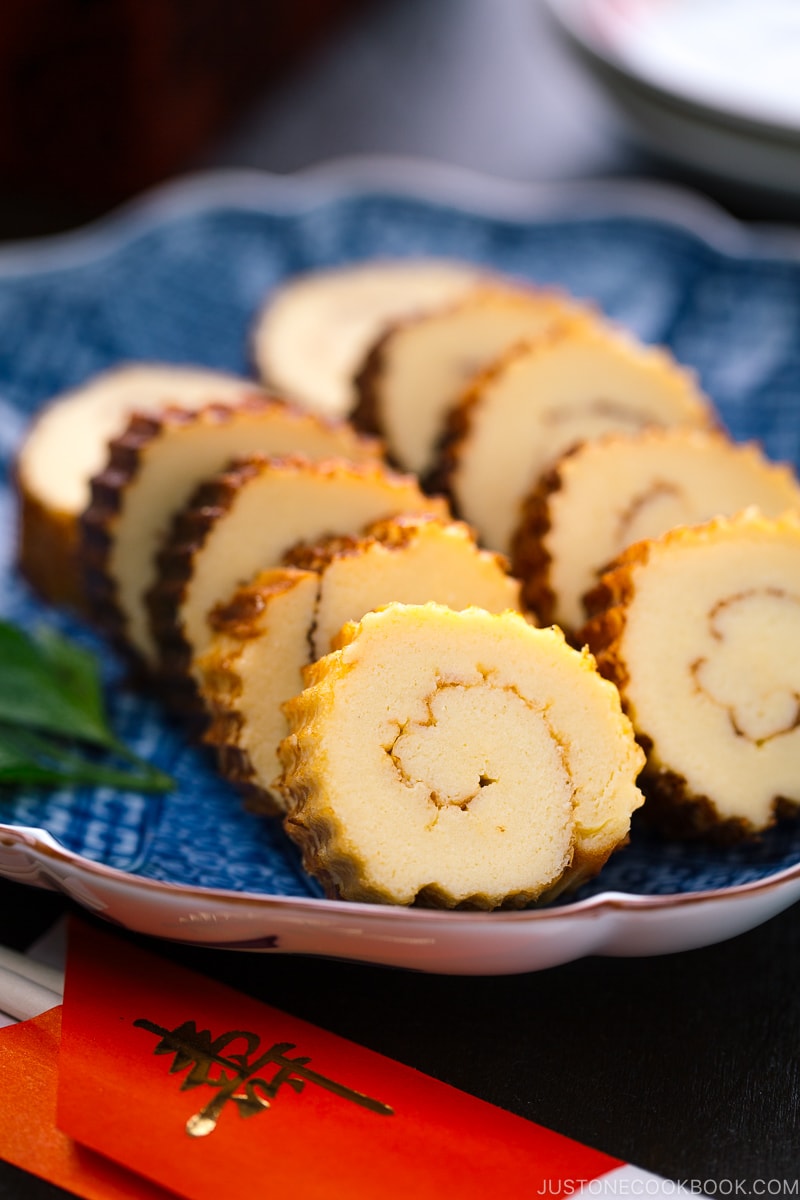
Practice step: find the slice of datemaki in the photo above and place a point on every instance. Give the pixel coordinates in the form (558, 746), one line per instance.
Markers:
(582, 380)
(609, 493)
(700, 631)
(314, 329)
(456, 759)
(68, 444)
(269, 630)
(253, 663)
(409, 558)
(244, 520)
(152, 471)
(421, 366)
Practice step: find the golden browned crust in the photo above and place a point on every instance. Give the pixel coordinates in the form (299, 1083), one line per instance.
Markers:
(530, 558)
(189, 531)
(107, 492)
(676, 812)
(48, 551)
(366, 414)
(240, 620)
(459, 421)
(366, 410)
(48, 544)
(455, 430)
(310, 836)
(128, 454)
(671, 806)
(462, 457)
(314, 330)
(315, 556)
(606, 606)
(394, 533)
(309, 839)
(240, 616)
(175, 563)
(315, 819)
(97, 522)
(615, 585)
(223, 733)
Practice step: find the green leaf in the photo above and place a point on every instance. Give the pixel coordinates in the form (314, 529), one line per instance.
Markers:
(51, 698)
(30, 758)
(43, 692)
(75, 671)
(16, 766)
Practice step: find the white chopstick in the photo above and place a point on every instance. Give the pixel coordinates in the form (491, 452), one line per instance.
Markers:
(37, 972)
(27, 987)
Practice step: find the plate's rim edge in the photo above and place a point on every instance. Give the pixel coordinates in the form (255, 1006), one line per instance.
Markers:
(421, 179)
(43, 847)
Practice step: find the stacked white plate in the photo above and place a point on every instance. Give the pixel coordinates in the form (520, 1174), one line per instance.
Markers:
(714, 84)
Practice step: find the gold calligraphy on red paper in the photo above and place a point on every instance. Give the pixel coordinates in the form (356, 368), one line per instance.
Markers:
(237, 1072)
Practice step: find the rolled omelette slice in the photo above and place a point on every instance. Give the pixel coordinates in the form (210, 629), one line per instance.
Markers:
(700, 630)
(151, 472)
(456, 759)
(616, 490)
(243, 520)
(272, 628)
(253, 663)
(67, 444)
(315, 328)
(421, 366)
(583, 380)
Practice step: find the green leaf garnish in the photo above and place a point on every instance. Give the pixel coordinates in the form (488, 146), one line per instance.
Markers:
(53, 725)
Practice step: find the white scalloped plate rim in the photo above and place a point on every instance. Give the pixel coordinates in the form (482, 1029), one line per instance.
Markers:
(504, 942)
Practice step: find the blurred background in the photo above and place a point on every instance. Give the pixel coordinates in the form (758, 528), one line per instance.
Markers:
(101, 99)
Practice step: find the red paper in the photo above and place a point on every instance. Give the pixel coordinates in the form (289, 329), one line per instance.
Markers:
(28, 1134)
(128, 1090)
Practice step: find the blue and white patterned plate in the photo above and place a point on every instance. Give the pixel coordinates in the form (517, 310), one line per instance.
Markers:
(178, 277)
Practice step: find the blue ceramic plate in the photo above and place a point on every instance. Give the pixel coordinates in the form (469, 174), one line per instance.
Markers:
(179, 277)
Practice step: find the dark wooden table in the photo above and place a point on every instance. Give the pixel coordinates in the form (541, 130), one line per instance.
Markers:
(686, 1065)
